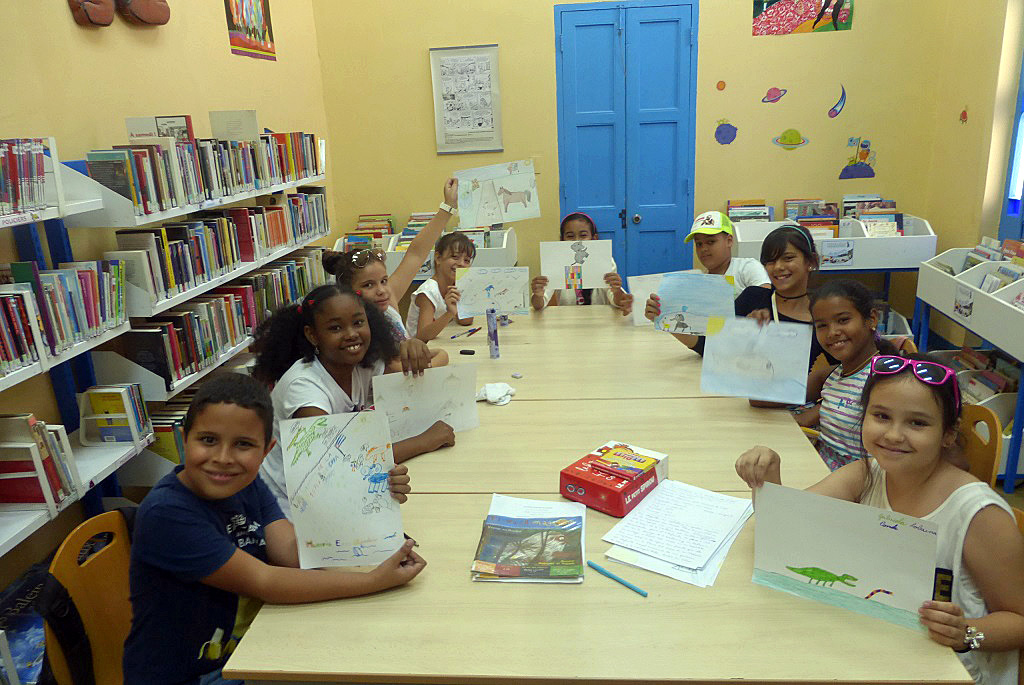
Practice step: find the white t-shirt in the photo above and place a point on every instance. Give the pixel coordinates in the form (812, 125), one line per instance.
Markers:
(952, 518)
(432, 290)
(309, 384)
(392, 315)
(568, 297)
(745, 272)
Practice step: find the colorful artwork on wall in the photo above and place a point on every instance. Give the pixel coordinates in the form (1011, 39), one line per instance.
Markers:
(249, 29)
(774, 95)
(838, 107)
(790, 139)
(720, 85)
(861, 162)
(782, 17)
(725, 132)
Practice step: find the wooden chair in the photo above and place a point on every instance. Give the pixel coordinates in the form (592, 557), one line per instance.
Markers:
(983, 450)
(99, 588)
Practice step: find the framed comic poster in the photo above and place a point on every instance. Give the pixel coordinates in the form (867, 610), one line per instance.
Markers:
(467, 99)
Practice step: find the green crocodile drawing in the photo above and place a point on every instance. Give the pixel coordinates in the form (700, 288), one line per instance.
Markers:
(820, 576)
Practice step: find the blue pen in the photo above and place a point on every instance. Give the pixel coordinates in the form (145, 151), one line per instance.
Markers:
(471, 331)
(605, 572)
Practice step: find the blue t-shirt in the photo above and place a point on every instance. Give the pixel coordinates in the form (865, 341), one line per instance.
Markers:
(181, 628)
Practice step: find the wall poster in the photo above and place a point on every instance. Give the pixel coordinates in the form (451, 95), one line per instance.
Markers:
(467, 99)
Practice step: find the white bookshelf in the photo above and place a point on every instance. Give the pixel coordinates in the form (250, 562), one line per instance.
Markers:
(139, 303)
(866, 253)
(47, 362)
(118, 211)
(504, 252)
(16, 526)
(990, 316)
(96, 462)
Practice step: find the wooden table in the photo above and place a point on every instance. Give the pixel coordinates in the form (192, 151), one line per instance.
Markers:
(580, 353)
(444, 628)
(520, 447)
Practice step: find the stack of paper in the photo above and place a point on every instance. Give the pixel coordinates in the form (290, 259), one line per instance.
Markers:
(531, 541)
(680, 531)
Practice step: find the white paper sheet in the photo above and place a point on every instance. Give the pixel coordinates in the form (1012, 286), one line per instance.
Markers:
(336, 471)
(496, 194)
(505, 288)
(876, 562)
(679, 523)
(641, 288)
(759, 362)
(704, 577)
(696, 304)
(413, 403)
(576, 264)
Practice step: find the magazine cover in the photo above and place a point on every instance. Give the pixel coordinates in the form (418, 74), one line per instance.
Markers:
(531, 547)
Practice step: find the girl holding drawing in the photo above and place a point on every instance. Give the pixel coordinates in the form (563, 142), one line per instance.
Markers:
(436, 303)
(789, 256)
(911, 414)
(320, 357)
(579, 226)
(365, 271)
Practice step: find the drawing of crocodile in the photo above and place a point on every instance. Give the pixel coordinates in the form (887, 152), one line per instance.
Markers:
(820, 576)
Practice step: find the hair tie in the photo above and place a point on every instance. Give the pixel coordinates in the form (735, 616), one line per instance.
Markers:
(300, 308)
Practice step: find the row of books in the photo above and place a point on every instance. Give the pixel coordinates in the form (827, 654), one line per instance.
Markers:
(195, 335)
(417, 221)
(175, 257)
(22, 175)
(163, 172)
(878, 215)
(994, 373)
(371, 232)
(749, 210)
(124, 403)
(46, 311)
(991, 250)
(36, 461)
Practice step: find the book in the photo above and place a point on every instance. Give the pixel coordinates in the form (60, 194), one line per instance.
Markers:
(20, 433)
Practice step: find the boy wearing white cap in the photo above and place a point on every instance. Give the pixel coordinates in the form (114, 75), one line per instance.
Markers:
(712, 236)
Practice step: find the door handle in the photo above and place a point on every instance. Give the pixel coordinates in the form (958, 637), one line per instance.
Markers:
(637, 218)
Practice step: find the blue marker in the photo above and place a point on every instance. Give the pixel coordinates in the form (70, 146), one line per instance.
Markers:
(605, 572)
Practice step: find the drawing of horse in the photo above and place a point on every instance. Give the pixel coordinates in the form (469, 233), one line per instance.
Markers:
(508, 197)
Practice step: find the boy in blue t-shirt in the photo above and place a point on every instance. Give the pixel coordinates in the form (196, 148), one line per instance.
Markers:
(211, 545)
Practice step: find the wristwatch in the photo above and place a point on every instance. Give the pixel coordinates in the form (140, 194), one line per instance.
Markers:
(445, 207)
(972, 639)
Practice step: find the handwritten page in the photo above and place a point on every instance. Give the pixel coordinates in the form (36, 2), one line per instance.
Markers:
(679, 523)
(336, 471)
(497, 194)
(697, 304)
(576, 264)
(872, 561)
(414, 403)
(759, 362)
(505, 288)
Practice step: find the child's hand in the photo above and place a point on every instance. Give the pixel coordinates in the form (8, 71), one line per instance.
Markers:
(945, 622)
(762, 316)
(758, 465)
(653, 308)
(624, 301)
(451, 300)
(415, 356)
(400, 567)
(439, 435)
(451, 192)
(398, 481)
(613, 280)
(538, 285)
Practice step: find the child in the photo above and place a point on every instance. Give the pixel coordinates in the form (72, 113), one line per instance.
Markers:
(435, 303)
(579, 226)
(365, 271)
(912, 411)
(320, 356)
(712, 236)
(789, 257)
(210, 545)
(844, 324)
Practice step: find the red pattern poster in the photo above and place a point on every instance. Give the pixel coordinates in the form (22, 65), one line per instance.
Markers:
(781, 17)
(249, 29)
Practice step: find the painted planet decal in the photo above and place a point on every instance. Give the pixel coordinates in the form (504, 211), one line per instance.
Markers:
(720, 85)
(725, 132)
(774, 94)
(838, 107)
(790, 139)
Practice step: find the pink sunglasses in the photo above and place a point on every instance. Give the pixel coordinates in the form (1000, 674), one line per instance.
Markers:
(930, 373)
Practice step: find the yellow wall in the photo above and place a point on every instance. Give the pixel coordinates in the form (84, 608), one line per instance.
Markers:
(78, 84)
(909, 67)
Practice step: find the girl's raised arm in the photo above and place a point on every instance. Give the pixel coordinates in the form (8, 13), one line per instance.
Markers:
(423, 244)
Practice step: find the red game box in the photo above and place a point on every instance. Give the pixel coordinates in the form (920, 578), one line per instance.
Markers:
(606, 493)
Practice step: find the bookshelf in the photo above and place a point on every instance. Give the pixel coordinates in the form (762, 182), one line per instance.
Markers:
(16, 526)
(504, 252)
(990, 316)
(47, 362)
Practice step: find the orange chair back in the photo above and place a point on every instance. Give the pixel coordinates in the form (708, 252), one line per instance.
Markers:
(983, 453)
(99, 588)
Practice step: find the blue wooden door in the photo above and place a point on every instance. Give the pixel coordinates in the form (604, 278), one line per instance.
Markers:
(626, 102)
(592, 120)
